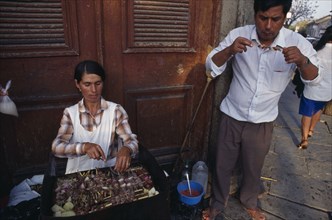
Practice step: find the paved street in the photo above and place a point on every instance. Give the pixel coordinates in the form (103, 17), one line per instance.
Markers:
(301, 181)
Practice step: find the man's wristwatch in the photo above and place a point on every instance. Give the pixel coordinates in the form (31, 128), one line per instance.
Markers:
(305, 64)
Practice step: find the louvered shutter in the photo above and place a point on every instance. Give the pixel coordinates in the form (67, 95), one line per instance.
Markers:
(159, 25)
(37, 28)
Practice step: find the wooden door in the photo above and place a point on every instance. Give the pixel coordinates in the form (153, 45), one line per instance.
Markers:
(153, 52)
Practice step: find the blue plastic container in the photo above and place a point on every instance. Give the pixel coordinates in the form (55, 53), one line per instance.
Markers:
(190, 200)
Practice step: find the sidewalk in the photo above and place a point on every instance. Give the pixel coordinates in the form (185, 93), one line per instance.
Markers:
(301, 185)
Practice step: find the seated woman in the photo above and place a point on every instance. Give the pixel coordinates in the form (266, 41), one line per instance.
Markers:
(88, 129)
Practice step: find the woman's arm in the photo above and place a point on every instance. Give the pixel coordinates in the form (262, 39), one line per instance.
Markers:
(123, 130)
(61, 146)
(130, 143)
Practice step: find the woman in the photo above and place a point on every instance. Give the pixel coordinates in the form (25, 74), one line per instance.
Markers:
(89, 129)
(315, 97)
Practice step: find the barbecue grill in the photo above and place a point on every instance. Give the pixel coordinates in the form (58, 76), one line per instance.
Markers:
(155, 207)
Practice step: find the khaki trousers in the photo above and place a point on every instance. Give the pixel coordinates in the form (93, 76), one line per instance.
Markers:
(248, 142)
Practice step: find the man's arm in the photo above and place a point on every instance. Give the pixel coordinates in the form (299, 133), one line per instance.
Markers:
(238, 46)
(222, 57)
(307, 69)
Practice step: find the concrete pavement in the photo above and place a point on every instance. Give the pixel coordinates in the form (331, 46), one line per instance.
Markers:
(301, 180)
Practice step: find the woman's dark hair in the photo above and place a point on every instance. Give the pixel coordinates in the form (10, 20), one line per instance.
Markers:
(264, 5)
(89, 67)
(327, 36)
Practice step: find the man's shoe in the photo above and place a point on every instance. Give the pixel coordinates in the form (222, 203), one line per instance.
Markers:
(212, 214)
(255, 214)
(220, 216)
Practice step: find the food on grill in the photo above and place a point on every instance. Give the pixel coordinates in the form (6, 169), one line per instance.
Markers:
(89, 191)
(64, 211)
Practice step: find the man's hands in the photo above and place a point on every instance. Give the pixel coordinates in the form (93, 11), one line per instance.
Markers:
(240, 45)
(294, 55)
(291, 54)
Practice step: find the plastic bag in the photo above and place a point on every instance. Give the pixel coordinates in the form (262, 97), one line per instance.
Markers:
(7, 106)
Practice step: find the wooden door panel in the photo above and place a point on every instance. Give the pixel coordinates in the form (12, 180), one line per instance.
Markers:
(159, 116)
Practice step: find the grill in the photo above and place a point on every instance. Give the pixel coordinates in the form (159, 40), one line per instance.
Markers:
(155, 207)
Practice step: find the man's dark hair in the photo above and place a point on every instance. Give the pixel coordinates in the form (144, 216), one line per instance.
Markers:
(89, 67)
(264, 5)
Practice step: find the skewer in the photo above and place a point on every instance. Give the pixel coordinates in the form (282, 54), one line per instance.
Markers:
(269, 179)
(278, 48)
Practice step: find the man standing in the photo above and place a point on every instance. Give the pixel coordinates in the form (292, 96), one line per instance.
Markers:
(264, 57)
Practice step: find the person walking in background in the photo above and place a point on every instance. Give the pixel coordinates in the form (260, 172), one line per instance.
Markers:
(315, 96)
(264, 57)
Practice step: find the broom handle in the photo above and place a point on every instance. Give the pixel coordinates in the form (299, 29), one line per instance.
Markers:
(209, 79)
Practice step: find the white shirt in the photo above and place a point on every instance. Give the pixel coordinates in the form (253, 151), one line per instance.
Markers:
(259, 75)
(323, 90)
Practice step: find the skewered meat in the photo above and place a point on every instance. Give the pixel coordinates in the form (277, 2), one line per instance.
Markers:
(93, 190)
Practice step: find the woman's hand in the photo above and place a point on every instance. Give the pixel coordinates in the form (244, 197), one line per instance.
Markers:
(123, 159)
(94, 151)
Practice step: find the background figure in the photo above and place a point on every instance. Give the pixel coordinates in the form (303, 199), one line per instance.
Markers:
(89, 130)
(315, 96)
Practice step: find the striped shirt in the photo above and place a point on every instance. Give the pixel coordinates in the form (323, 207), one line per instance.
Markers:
(62, 147)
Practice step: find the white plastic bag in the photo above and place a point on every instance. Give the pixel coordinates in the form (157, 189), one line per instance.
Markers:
(7, 106)
(23, 192)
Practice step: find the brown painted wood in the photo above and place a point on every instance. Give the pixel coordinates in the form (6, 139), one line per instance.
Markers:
(153, 54)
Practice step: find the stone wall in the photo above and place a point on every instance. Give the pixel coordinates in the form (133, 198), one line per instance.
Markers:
(234, 13)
